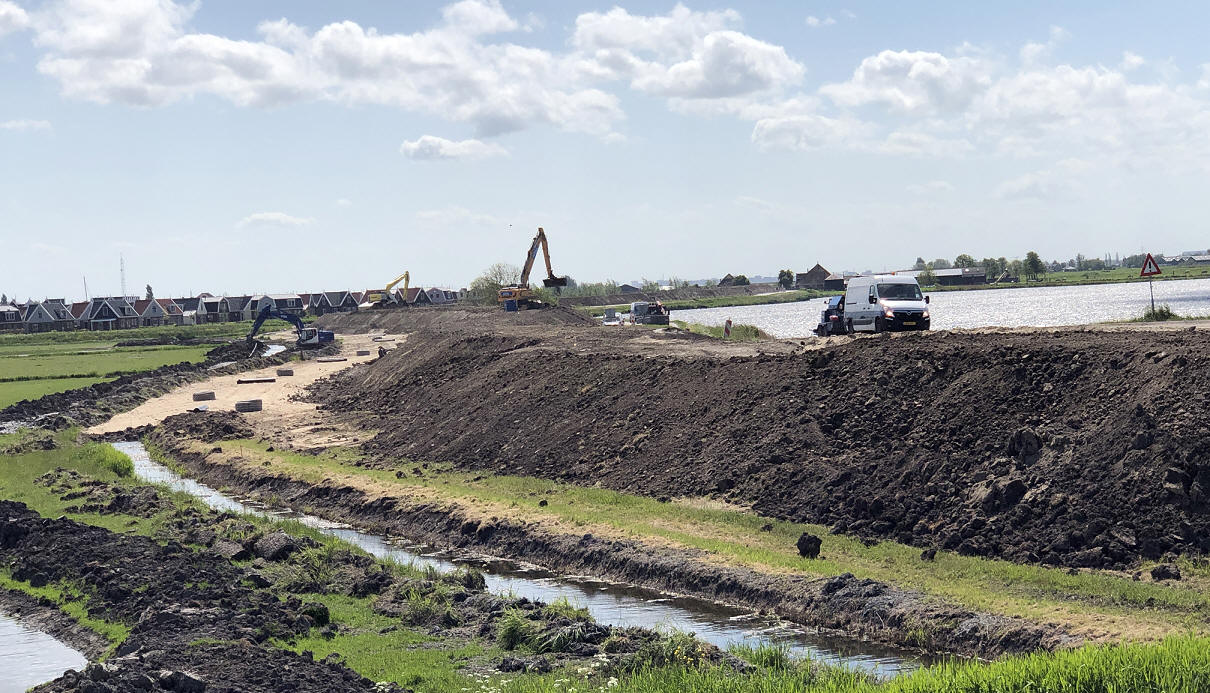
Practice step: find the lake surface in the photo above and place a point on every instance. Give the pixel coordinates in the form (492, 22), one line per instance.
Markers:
(1023, 307)
(611, 603)
(29, 657)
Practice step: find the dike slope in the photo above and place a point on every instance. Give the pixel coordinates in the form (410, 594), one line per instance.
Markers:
(1085, 449)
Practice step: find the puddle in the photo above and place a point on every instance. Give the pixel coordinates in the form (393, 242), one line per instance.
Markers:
(615, 604)
(29, 657)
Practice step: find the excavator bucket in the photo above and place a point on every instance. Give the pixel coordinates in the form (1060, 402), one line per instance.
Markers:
(553, 282)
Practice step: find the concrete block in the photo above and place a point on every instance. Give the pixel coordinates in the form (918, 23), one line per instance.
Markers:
(248, 405)
(203, 396)
(285, 371)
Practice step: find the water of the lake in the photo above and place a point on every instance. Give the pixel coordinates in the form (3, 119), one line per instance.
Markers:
(1023, 307)
(29, 657)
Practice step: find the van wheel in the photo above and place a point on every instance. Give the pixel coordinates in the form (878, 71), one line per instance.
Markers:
(879, 325)
(848, 326)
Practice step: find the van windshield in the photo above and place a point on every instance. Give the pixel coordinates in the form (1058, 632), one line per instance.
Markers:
(899, 292)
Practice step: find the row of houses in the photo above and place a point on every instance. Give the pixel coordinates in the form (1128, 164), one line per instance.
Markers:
(126, 312)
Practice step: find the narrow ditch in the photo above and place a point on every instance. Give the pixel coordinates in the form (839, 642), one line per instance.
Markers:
(29, 657)
(609, 603)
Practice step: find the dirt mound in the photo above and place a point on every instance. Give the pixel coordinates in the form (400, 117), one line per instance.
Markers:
(457, 318)
(235, 351)
(1073, 448)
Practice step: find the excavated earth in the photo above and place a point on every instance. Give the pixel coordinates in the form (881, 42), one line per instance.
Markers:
(1081, 448)
(207, 599)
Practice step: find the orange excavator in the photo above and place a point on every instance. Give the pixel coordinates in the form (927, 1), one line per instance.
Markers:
(520, 295)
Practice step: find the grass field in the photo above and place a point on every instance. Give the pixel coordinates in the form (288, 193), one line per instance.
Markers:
(1098, 605)
(34, 365)
(29, 371)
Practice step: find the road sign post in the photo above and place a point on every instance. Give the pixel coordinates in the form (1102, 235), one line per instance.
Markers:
(1150, 269)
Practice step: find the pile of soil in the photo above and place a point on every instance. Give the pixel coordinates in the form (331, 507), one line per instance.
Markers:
(1087, 449)
(195, 621)
(456, 318)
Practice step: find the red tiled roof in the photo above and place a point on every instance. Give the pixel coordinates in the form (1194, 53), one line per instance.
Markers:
(141, 305)
(77, 309)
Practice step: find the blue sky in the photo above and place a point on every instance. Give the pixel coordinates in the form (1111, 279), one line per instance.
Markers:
(293, 146)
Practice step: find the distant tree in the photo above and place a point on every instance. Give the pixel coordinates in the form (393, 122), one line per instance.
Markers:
(649, 286)
(785, 278)
(1015, 268)
(1079, 261)
(486, 287)
(1033, 266)
(991, 267)
(940, 263)
(1134, 260)
(920, 264)
(926, 278)
(1094, 264)
(964, 261)
(3, 299)
(741, 280)
(150, 294)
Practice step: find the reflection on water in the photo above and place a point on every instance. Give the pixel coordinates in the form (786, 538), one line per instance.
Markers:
(610, 603)
(29, 657)
(1023, 307)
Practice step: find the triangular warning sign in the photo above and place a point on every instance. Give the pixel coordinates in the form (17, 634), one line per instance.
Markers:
(1150, 267)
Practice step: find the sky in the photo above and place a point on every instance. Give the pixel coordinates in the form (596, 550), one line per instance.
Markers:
(289, 146)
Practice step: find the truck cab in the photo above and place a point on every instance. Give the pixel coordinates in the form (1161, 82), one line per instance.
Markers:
(884, 303)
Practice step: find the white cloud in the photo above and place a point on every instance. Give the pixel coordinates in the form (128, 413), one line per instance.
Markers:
(806, 132)
(912, 81)
(932, 187)
(454, 215)
(25, 125)
(815, 22)
(273, 219)
(141, 52)
(1132, 61)
(685, 54)
(12, 17)
(431, 148)
(1057, 182)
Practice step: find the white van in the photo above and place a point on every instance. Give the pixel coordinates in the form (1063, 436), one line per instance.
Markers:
(885, 302)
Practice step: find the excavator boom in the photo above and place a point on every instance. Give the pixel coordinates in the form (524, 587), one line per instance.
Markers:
(551, 280)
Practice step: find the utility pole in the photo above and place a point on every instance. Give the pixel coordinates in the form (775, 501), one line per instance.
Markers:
(122, 270)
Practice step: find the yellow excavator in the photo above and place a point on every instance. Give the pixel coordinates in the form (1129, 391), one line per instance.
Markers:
(386, 298)
(521, 296)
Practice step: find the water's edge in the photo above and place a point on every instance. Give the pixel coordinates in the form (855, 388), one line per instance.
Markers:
(611, 603)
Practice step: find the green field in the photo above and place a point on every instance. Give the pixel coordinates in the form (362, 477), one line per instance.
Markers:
(33, 365)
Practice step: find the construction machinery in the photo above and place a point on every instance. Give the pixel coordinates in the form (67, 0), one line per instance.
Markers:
(386, 297)
(520, 295)
(649, 313)
(307, 336)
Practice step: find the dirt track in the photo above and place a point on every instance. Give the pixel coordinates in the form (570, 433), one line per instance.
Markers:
(283, 410)
(1082, 448)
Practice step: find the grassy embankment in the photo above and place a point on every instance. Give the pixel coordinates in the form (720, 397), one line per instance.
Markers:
(33, 365)
(1098, 605)
(381, 649)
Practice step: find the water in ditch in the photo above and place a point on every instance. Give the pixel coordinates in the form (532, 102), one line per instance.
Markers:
(29, 657)
(610, 603)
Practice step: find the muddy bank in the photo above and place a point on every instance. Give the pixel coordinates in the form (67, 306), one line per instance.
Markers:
(860, 608)
(455, 318)
(207, 599)
(1085, 449)
(97, 403)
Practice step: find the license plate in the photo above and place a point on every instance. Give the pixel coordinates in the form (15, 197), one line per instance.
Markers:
(909, 324)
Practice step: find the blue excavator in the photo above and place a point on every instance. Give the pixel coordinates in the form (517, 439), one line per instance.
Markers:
(307, 336)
